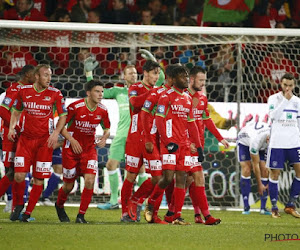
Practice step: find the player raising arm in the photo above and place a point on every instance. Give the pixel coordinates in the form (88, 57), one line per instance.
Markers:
(284, 145)
(79, 155)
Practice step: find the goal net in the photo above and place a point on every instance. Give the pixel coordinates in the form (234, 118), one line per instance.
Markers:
(243, 68)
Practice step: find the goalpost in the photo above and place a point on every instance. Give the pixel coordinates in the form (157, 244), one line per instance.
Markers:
(243, 66)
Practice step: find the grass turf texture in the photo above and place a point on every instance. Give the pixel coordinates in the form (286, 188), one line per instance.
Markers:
(104, 231)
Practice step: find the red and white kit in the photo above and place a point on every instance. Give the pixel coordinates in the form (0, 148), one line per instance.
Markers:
(38, 113)
(82, 122)
(135, 144)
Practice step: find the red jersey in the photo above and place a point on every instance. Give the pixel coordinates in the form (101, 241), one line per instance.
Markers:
(8, 102)
(38, 109)
(148, 114)
(201, 115)
(176, 109)
(137, 94)
(82, 122)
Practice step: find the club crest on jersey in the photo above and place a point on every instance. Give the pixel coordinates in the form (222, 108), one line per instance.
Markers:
(47, 98)
(147, 104)
(161, 109)
(271, 107)
(133, 93)
(98, 117)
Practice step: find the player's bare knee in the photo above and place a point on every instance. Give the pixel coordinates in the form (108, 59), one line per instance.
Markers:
(68, 186)
(57, 169)
(155, 179)
(274, 174)
(112, 165)
(19, 177)
(37, 181)
(131, 176)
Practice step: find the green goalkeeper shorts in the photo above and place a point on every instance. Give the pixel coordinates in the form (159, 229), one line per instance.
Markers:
(117, 148)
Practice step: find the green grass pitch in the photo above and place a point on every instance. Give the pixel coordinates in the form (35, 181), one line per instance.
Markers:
(104, 231)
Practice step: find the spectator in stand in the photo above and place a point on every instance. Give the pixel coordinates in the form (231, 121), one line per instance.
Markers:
(24, 11)
(93, 16)
(146, 17)
(62, 15)
(271, 70)
(120, 14)
(159, 13)
(5, 5)
(40, 5)
(80, 11)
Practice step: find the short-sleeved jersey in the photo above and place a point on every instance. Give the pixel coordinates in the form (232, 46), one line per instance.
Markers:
(120, 94)
(285, 117)
(254, 135)
(11, 94)
(200, 111)
(82, 122)
(150, 106)
(38, 109)
(176, 109)
(136, 90)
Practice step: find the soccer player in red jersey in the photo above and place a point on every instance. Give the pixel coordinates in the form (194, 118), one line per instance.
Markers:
(177, 129)
(151, 150)
(37, 103)
(134, 143)
(201, 115)
(79, 152)
(8, 147)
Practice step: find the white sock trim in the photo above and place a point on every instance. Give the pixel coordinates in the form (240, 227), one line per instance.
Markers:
(244, 177)
(56, 174)
(273, 181)
(142, 174)
(112, 172)
(264, 179)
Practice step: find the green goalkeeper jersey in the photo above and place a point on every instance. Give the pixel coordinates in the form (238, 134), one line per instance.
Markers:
(120, 94)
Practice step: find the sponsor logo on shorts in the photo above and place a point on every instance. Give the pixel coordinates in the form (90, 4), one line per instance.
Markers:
(69, 173)
(43, 167)
(194, 161)
(92, 164)
(188, 161)
(169, 159)
(3, 156)
(19, 162)
(132, 161)
(11, 157)
(275, 164)
(155, 165)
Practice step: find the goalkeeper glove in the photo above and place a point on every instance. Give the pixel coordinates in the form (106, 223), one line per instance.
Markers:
(147, 55)
(89, 65)
(172, 147)
(200, 154)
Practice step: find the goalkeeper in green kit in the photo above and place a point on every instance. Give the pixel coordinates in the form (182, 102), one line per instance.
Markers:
(117, 148)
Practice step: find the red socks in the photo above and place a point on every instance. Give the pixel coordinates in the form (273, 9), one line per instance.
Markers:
(155, 194)
(61, 198)
(125, 195)
(202, 200)
(169, 192)
(193, 195)
(33, 198)
(179, 195)
(4, 184)
(144, 191)
(86, 197)
(18, 189)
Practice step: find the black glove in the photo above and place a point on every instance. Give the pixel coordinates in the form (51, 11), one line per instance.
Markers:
(200, 154)
(172, 147)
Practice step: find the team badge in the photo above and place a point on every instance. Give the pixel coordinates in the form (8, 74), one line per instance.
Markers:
(161, 109)
(133, 93)
(147, 104)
